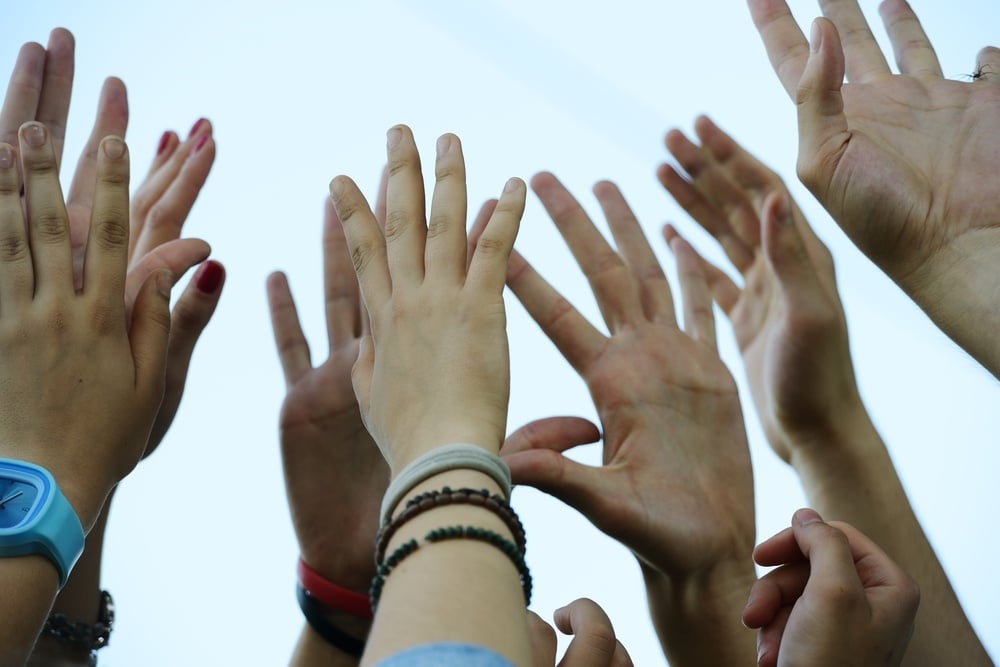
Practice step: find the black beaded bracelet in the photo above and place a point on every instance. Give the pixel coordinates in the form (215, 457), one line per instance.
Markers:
(451, 533)
(447, 496)
(330, 633)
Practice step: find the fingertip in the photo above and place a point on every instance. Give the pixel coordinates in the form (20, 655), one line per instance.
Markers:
(805, 516)
(543, 180)
(61, 38)
(669, 234)
(210, 277)
(275, 280)
(604, 188)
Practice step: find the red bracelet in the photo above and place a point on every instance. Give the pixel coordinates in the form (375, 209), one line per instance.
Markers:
(333, 596)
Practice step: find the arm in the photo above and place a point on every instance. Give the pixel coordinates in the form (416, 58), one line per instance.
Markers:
(904, 163)
(334, 473)
(791, 329)
(89, 440)
(435, 371)
(832, 584)
(40, 89)
(676, 485)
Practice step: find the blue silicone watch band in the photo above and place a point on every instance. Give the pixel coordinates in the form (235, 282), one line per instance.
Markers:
(54, 531)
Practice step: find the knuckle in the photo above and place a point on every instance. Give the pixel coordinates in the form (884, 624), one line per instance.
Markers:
(110, 233)
(159, 216)
(105, 320)
(41, 165)
(400, 161)
(396, 223)
(448, 169)
(438, 224)
(491, 246)
(50, 226)
(362, 255)
(14, 248)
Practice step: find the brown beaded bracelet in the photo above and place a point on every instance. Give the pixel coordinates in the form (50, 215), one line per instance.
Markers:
(447, 496)
(451, 533)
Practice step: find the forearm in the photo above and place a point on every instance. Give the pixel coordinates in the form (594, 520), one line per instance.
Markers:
(78, 601)
(849, 476)
(456, 590)
(698, 620)
(27, 586)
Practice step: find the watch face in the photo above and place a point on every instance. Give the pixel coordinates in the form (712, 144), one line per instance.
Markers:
(18, 497)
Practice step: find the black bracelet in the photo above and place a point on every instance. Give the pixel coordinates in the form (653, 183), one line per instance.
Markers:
(330, 633)
(448, 496)
(450, 533)
(82, 635)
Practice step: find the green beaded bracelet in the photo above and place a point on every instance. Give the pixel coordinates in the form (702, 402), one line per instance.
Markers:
(452, 533)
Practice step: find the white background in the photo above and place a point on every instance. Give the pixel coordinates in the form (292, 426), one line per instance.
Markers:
(201, 554)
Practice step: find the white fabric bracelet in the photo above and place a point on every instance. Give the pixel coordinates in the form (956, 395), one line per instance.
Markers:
(443, 459)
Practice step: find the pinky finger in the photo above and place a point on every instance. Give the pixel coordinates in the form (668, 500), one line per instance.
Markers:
(488, 267)
(699, 319)
(725, 292)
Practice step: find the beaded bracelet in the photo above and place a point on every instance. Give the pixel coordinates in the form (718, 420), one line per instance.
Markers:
(329, 632)
(450, 533)
(446, 496)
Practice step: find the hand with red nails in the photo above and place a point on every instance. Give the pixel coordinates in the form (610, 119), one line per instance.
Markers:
(433, 371)
(834, 599)
(904, 163)
(40, 89)
(676, 485)
(594, 643)
(790, 327)
(81, 378)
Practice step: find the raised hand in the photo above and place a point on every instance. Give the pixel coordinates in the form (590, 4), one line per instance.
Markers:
(594, 643)
(836, 598)
(676, 485)
(787, 317)
(904, 163)
(334, 472)
(790, 327)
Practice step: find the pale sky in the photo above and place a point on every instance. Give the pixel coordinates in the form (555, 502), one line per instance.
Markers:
(200, 554)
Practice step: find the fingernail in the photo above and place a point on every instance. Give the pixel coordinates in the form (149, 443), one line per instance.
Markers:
(34, 135)
(511, 185)
(6, 157)
(114, 147)
(164, 140)
(806, 516)
(444, 143)
(209, 277)
(195, 127)
(201, 143)
(336, 188)
(815, 37)
(393, 136)
(164, 283)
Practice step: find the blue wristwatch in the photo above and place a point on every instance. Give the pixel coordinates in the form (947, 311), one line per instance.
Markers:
(36, 518)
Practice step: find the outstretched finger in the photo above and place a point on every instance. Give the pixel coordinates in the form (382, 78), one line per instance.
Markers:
(577, 339)
(445, 254)
(365, 242)
(654, 291)
(16, 273)
(608, 276)
(489, 265)
(865, 61)
(293, 350)
(20, 103)
(48, 226)
(554, 433)
(405, 225)
(914, 53)
(478, 225)
(699, 318)
(343, 311)
(786, 46)
(106, 260)
(164, 200)
(57, 86)
(724, 291)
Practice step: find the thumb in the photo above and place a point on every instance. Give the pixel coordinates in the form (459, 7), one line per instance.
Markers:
(785, 250)
(150, 332)
(555, 433)
(550, 472)
(822, 124)
(361, 372)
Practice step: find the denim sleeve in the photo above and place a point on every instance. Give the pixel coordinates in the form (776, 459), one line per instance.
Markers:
(446, 654)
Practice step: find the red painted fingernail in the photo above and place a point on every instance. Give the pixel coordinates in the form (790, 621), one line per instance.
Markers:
(164, 140)
(209, 277)
(194, 128)
(201, 142)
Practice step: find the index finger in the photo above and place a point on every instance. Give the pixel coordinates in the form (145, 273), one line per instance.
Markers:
(340, 283)
(914, 54)
(786, 46)
(864, 58)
